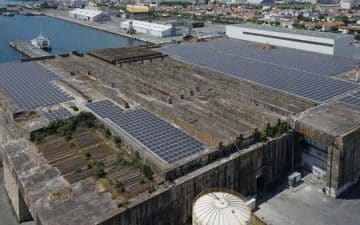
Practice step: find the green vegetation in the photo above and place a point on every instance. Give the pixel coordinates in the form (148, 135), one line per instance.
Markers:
(120, 186)
(74, 108)
(98, 169)
(137, 162)
(122, 160)
(87, 155)
(107, 132)
(117, 140)
(272, 131)
(67, 127)
(148, 173)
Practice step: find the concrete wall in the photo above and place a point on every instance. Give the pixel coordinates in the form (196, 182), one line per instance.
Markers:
(16, 198)
(344, 163)
(240, 171)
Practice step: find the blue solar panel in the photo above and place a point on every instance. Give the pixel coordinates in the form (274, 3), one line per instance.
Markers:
(164, 140)
(297, 72)
(351, 99)
(58, 114)
(29, 85)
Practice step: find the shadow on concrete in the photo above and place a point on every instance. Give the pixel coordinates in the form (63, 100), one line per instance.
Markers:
(265, 194)
(352, 193)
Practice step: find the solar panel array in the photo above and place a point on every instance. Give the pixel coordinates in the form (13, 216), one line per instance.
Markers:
(301, 73)
(58, 114)
(161, 138)
(29, 85)
(352, 99)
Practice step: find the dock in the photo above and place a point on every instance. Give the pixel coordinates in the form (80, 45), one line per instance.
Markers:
(26, 48)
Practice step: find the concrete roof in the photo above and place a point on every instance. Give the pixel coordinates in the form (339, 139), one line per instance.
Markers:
(39, 180)
(334, 118)
(318, 34)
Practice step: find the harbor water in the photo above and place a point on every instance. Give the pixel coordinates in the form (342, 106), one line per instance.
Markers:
(64, 36)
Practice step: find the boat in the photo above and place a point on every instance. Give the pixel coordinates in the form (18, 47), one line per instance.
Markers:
(41, 42)
(10, 14)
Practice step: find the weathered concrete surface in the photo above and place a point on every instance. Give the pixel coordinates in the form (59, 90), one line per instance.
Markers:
(306, 204)
(7, 213)
(26, 48)
(337, 126)
(28, 176)
(242, 171)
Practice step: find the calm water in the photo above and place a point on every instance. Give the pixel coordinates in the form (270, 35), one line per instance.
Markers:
(64, 36)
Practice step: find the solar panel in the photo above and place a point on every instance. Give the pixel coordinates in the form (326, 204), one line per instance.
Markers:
(352, 99)
(161, 138)
(58, 114)
(297, 72)
(29, 85)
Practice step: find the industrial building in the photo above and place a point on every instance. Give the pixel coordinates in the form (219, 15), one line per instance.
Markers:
(320, 42)
(89, 15)
(137, 12)
(143, 135)
(150, 29)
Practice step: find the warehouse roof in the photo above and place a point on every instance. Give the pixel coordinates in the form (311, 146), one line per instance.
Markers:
(318, 34)
(148, 25)
(297, 72)
(86, 12)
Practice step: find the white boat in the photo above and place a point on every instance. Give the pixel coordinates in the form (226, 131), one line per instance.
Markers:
(41, 42)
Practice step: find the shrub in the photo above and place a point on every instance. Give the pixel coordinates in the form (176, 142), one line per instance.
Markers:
(107, 132)
(98, 169)
(117, 140)
(148, 173)
(87, 154)
(121, 160)
(74, 108)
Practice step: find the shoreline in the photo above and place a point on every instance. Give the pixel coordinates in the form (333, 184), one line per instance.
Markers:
(94, 25)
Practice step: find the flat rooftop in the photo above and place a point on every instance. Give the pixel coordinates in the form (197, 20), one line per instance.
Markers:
(304, 74)
(30, 85)
(318, 34)
(352, 98)
(165, 141)
(332, 118)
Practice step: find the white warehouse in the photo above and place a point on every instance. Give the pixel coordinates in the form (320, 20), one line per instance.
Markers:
(89, 15)
(313, 41)
(151, 29)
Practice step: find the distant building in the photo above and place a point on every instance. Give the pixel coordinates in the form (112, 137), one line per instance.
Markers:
(150, 29)
(137, 12)
(348, 4)
(89, 15)
(260, 2)
(312, 41)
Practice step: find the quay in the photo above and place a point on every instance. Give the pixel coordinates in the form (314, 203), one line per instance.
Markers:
(26, 48)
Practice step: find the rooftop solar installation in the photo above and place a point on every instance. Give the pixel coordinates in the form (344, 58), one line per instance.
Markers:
(58, 114)
(161, 138)
(297, 72)
(352, 99)
(29, 85)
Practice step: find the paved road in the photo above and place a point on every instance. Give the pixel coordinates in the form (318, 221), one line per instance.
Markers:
(7, 215)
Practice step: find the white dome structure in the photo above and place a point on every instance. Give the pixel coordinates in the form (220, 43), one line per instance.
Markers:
(220, 208)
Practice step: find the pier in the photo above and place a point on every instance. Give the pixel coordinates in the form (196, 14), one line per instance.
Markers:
(26, 48)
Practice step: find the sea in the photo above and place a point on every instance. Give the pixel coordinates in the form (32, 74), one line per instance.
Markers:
(64, 36)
